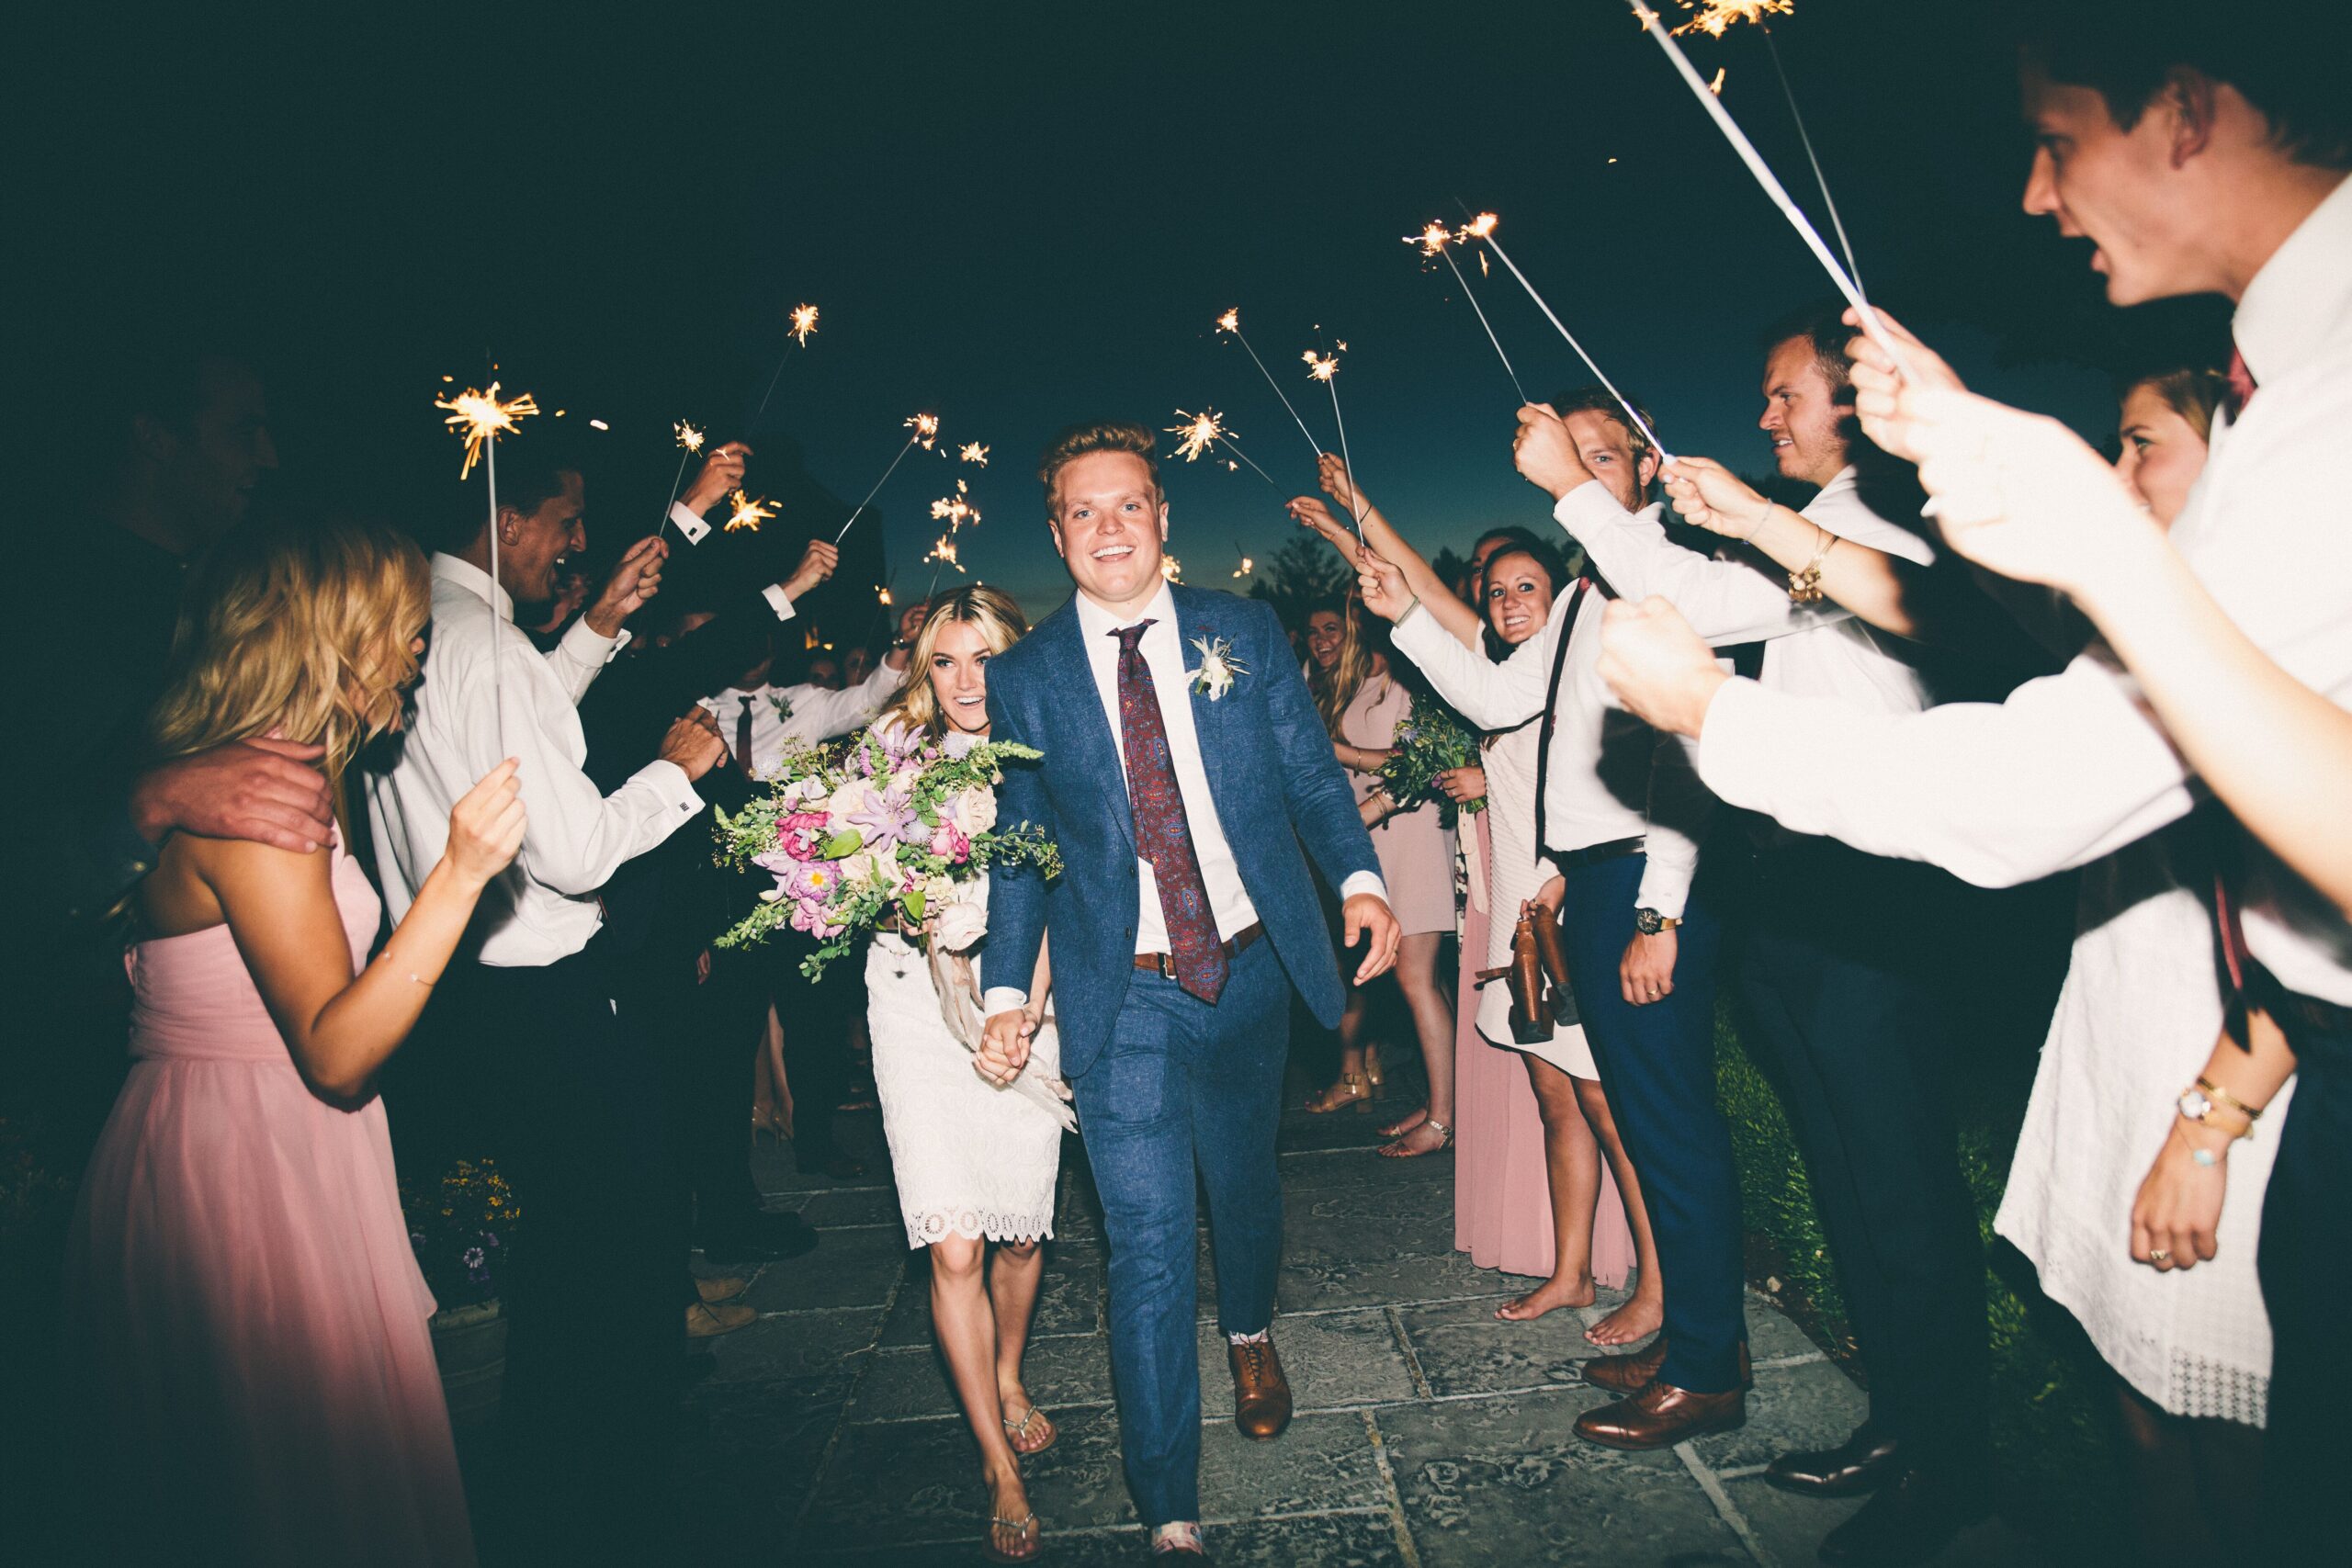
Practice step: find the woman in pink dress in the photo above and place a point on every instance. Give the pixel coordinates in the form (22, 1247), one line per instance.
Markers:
(240, 1284)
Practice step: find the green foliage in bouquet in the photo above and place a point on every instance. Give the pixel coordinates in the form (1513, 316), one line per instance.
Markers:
(1430, 741)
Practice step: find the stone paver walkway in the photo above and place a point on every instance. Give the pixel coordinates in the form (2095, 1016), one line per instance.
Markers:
(1427, 1433)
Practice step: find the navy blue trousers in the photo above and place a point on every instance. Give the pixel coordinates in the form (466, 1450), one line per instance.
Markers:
(1658, 1062)
(1184, 1093)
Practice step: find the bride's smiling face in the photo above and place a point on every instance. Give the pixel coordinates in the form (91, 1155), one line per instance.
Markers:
(959, 677)
(1519, 596)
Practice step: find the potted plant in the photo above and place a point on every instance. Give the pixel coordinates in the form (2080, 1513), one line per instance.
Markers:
(462, 1230)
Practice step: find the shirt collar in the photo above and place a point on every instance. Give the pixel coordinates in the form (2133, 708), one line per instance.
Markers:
(1095, 622)
(473, 580)
(2300, 302)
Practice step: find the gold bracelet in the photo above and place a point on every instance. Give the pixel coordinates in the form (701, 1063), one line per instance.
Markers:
(2227, 1101)
(1804, 587)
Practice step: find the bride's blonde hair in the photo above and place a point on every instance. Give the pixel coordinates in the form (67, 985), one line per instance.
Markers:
(1001, 625)
(299, 627)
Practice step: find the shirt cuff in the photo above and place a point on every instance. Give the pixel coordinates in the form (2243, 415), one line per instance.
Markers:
(1589, 505)
(1003, 998)
(1738, 744)
(779, 601)
(590, 646)
(1665, 887)
(689, 524)
(677, 790)
(1364, 881)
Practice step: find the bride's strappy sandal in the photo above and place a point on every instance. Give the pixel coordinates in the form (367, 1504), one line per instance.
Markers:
(1014, 1431)
(1025, 1529)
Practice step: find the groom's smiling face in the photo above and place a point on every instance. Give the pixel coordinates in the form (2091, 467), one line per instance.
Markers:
(1108, 522)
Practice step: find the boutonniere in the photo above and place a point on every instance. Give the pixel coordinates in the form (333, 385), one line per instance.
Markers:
(1217, 668)
(782, 706)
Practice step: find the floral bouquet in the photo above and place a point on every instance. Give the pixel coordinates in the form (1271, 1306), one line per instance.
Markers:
(889, 827)
(459, 1230)
(1430, 741)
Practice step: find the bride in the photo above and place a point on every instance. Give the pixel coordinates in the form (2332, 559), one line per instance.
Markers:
(975, 1161)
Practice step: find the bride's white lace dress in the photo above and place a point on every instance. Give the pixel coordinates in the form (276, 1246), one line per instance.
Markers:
(971, 1159)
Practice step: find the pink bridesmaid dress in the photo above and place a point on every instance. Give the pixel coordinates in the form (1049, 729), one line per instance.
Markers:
(249, 1311)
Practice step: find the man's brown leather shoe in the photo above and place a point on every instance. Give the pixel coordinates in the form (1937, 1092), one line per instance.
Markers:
(1632, 1373)
(1662, 1415)
(1260, 1393)
(1863, 1462)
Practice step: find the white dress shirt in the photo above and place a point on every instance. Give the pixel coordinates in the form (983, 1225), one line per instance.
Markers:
(1163, 654)
(2072, 766)
(1814, 650)
(1611, 775)
(805, 713)
(543, 907)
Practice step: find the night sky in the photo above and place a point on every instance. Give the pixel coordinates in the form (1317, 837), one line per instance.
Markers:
(1016, 217)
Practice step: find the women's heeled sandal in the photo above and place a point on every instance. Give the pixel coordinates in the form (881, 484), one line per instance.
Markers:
(1351, 1090)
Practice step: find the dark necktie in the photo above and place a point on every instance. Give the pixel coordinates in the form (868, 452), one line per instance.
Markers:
(743, 739)
(1162, 835)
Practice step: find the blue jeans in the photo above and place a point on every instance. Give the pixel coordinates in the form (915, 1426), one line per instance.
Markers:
(1658, 1062)
(1184, 1091)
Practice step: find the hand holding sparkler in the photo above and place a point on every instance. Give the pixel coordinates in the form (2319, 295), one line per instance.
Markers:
(1545, 454)
(1383, 586)
(636, 578)
(1881, 379)
(1309, 513)
(721, 471)
(818, 564)
(1710, 496)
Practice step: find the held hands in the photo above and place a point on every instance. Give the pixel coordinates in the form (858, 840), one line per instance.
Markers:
(266, 791)
(1368, 915)
(721, 471)
(1657, 666)
(1646, 974)
(636, 578)
(1545, 453)
(1005, 1045)
(2175, 1218)
(1383, 585)
(1710, 496)
(1462, 784)
(818, 563)
(693, 744)
(486, 827)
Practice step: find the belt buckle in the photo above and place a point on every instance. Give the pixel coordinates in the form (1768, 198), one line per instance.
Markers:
(1164, 965)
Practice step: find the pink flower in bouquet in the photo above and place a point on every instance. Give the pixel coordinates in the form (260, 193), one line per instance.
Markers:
(799, 834)
(816, 880)
(948, 839)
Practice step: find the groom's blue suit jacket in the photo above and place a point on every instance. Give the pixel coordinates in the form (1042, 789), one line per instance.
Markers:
(1271, 772)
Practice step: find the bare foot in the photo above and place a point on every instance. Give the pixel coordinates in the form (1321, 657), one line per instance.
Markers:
(1026, 1428)
(1550, 1296)
(1637, 1319)
(1012, 1532)
(1400, 1128)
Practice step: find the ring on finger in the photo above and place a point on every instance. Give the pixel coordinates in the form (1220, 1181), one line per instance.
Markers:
(2159, 1255)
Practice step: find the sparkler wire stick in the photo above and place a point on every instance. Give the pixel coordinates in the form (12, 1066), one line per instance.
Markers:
(1819, 179)
(1355, 496)
(689, 442)
(497, 687)
(913, 442)
(1772, 188)
(1465, 282)
(804, 322)
(1622, 401)
(1231, 322)
(1230, 446)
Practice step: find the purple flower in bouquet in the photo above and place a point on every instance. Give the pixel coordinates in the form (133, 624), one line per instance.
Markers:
(901, 749)
(888, 818)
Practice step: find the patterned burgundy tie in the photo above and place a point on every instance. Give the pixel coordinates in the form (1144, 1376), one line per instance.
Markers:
(1162, 836)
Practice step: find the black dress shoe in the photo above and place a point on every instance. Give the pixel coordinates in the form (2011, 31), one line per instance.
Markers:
(1863, 1462)
(1911, 1519)
(756, 1237)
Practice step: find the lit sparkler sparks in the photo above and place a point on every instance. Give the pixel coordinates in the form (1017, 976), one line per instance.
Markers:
(926, 429)
(1247, 566)
(973, 452)
(748, 514)
(1716, 86)
(803, 318)
(482, 419)
(1435, 241)
(1204, 432)
(1231, 322)
(926, 432)
(1171, 568)
(1326, 369)
(1716, 18)
(882, 596)
(804, 322)
(690, 441)
(689, 437)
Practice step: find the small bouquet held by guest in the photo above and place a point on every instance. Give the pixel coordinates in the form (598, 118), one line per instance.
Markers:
(1432, 740)
(888, 830)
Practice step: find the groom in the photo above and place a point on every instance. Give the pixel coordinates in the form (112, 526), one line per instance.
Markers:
(1184, 766)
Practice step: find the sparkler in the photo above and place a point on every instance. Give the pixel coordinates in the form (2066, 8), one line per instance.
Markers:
(1204, 432)
(690, 442)
(1247, 566)
(1231, 322)
(748, 514)
(973, 452)
(1171, 568)
(926, 433)
(1326, 369)
(480, 418)
(1715, 16)
(804, 323)
(1719, 14)
(958, 513)
(1483, 227)
(1437, 240)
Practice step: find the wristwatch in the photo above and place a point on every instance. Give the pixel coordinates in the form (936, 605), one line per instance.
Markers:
(1649, 922)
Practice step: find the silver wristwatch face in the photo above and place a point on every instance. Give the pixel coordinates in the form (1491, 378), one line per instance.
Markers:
(2195, 1105)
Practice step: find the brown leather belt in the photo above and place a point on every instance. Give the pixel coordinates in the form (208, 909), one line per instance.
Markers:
(1164, 965)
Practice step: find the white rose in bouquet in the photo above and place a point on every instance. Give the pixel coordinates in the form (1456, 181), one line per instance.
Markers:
(976, 811)
(959, 925)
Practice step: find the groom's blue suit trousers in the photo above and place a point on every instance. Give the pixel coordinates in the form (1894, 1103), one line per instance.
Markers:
(1658, 1062)
(1184, 1089)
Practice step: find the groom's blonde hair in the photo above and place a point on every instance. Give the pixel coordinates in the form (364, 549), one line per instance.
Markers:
(1101, 435)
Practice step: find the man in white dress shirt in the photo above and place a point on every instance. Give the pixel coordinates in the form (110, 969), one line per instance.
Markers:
(1837, 962)
(2200, 159)
(1620, 815)
(591, 1297)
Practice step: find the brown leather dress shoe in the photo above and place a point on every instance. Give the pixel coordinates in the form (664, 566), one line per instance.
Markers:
(1633, 1372)
(1863, 1462)
(707, 1320)
(1662, 1415)
(1260, 1393)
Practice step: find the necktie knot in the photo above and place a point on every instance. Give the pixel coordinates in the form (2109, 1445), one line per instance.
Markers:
(1130, 637)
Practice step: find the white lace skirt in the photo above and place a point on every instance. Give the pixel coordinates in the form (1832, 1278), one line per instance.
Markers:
(970, 1159)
